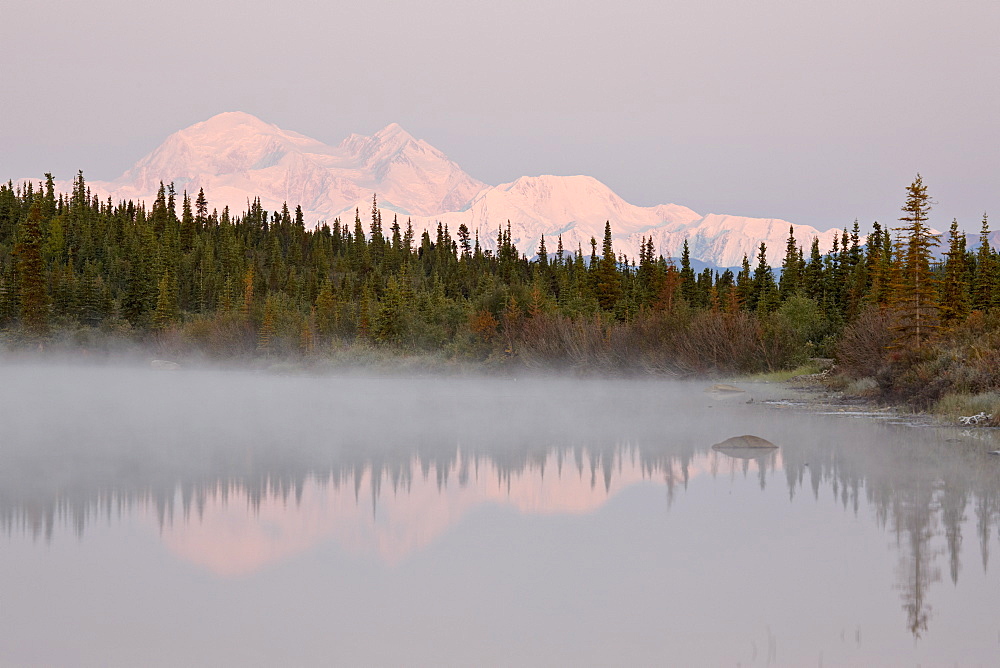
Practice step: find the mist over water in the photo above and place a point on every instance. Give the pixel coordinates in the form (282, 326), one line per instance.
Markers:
(200, 517)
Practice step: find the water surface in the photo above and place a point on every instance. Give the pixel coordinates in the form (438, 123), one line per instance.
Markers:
(207, 518)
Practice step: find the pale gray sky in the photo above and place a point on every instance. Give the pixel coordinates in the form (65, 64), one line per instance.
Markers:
(816, 112)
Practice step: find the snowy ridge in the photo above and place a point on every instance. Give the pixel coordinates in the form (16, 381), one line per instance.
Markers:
(235, 157)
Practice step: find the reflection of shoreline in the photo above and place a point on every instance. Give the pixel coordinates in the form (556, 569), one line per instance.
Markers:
(233, 535)
(246, 509)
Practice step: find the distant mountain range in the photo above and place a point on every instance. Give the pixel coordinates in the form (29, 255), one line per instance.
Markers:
(235, 157)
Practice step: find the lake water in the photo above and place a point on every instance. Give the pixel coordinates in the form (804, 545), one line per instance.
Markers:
(235, 518)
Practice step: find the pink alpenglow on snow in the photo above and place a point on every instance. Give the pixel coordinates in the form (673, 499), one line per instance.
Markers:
(236, 157)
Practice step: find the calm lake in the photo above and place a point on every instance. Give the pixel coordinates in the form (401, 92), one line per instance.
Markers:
(199, 517)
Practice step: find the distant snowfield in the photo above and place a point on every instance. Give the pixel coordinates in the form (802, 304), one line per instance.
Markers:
(236, 157)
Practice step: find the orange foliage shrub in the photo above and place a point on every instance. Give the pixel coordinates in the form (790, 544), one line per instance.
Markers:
(484, 325)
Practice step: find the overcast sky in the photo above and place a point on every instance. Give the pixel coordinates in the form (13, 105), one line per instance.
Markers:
(815, 112)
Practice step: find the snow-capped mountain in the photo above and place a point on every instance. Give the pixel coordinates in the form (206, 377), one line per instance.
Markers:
(235, 157)
(576, 207)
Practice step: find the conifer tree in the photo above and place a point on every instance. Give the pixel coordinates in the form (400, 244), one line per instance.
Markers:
(764, 294)
(790, 267)
(359, 251)
(955, 283)
(463, 240)
(882, 263)
(49, 197)
(187, 224)
(408, 239)
(689, 287)
(744, 284)
(917, 302)
(201, 209)
(31, 274)
(855, 273)
(166, 312)
(812, 277)
(377, 241)
(984, 281)
(543, 256)
(388, 325)
(607, 285)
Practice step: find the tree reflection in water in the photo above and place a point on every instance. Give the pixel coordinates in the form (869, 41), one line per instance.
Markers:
(918, 484)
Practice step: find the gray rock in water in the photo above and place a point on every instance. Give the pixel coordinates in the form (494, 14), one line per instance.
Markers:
(746, 447)
(164, 365)
(745, 442)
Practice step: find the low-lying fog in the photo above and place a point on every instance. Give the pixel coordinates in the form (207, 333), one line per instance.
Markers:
(212, 517)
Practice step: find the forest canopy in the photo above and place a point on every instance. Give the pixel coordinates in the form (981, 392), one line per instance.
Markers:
(257, 283)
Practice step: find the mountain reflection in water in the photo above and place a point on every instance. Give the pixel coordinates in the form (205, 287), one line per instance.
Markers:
(232, 492)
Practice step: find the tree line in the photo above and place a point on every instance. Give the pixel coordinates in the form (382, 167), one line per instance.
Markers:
(260, 282)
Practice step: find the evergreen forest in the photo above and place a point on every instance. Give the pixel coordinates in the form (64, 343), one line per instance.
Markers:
(182, 277)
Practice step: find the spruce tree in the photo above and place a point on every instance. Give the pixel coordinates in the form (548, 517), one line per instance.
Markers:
(31, 274)
(201, 209)
(377, 241)
(764, 294)
(389, 323)
(463, 240)
(955, 283)
(326, 310)
(608, 284)
(543, 255)
(984, 281)
(813, 277)
(689, 287)
(917, 302)
(790, 267)
(744, 284)
(187, 224)
(166, 312)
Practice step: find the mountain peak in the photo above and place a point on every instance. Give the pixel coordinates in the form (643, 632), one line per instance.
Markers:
(233, 155)
(231, 120)
(389, 141)
(233, 116)
(393, 131)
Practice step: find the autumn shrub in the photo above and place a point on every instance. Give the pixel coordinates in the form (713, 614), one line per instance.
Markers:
(861, 349)
(654, 335)
(555, 340)
(657, 342)
(735, 342)
(225, 334)
(919, 378)
(483, 325)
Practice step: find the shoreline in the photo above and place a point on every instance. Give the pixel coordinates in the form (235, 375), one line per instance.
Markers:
(818, 394)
